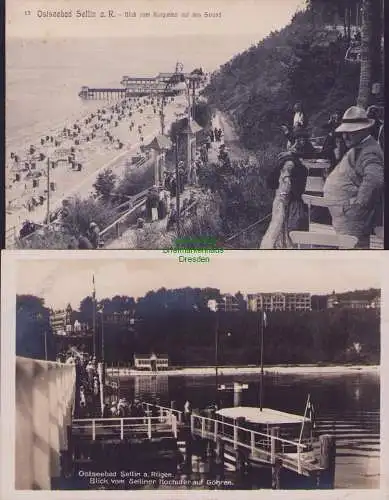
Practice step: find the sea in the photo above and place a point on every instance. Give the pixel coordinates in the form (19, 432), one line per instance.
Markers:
(346, 405)
(44, 76)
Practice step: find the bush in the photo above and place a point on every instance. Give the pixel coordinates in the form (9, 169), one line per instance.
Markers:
(82, 212)
(135, 181)
(151, 238)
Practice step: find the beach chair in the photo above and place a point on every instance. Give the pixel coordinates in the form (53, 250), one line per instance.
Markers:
(306, 240)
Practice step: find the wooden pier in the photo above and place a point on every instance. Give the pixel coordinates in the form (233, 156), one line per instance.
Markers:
(243, 447)
(87, 93)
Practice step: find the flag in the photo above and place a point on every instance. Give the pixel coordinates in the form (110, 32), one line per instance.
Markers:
(264, 319)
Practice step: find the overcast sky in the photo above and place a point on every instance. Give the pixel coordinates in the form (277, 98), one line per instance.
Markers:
(60, 281)
(238, 17)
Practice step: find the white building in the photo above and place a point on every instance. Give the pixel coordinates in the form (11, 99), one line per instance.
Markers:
(279, 301)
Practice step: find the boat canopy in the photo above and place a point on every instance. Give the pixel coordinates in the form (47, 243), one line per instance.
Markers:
(267, 416)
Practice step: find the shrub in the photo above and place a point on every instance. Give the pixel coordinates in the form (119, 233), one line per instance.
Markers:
(105, 183)
(135, 181)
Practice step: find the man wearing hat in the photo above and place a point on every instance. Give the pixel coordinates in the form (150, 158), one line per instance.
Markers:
(354, 188)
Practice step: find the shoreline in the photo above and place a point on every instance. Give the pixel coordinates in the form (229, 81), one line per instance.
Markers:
(277, 369)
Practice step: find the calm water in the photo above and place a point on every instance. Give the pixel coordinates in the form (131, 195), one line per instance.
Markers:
(346, 405)
(43, 77)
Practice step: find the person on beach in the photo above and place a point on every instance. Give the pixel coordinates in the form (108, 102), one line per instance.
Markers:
(289, 212)
(354, 189)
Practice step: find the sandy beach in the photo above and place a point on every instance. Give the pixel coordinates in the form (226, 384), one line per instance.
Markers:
(94, 154)
(298, 370)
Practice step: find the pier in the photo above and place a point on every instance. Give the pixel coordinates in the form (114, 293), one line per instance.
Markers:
(53, 443)
(87, 93)
(231, 445)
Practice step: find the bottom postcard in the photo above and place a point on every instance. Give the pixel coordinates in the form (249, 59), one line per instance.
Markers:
(139, 373)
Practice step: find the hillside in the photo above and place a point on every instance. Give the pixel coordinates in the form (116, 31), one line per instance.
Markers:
(302, 62)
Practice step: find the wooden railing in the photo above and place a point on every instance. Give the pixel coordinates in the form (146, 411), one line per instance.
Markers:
(114, 230)
(98, 428)
(164, 411)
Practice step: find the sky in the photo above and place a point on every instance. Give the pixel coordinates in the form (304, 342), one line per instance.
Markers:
(62, 280)
(255, 18)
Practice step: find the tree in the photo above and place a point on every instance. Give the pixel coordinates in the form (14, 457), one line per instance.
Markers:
(32, 325)
(105, 183)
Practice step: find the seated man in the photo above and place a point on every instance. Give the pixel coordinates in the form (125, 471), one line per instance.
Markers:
(353, 189)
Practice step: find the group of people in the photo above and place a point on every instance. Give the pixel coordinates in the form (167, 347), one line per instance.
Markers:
(123, 408)
(353, 189)
(215, 134)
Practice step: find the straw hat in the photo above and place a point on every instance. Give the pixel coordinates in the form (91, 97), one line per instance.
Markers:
(355, 119)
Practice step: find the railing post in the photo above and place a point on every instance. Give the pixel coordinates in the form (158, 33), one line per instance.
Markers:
(235, 437)
(160, 414)
(215, 430)
(202, 426)
(274, 443)
(174, 426)
(192, 423)
(121, 429)
(299, 458)
(149, 427)
(252, 442)
(93, 430)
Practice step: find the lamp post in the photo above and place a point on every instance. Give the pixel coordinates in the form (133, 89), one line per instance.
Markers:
(178, 186)
(261, 327)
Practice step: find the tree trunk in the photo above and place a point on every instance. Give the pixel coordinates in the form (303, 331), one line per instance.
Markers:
(365, 79)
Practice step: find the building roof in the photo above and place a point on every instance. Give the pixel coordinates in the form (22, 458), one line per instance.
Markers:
(159, 143)
(266, 416)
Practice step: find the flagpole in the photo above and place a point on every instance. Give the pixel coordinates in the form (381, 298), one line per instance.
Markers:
(261, 379)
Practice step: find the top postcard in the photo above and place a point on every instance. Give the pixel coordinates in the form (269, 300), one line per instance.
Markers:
(199, 126)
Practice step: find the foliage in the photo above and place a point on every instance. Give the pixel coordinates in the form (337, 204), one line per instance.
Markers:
(301, 62)
(81, 212)
(32, 322)
(206, 221)
(242, 194)
(105, 183)
(152, 238)
(48, 238)
(177, 322)
(135, 181)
